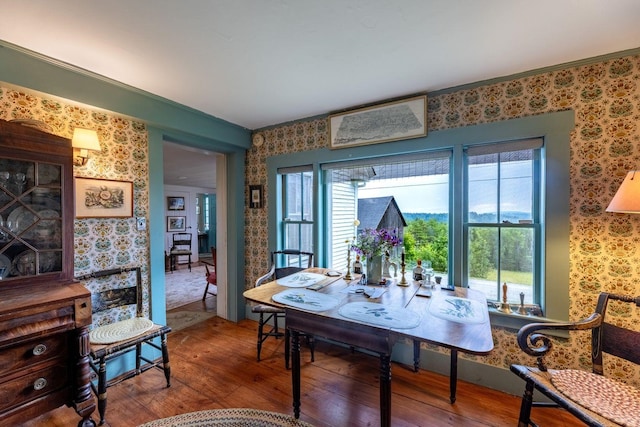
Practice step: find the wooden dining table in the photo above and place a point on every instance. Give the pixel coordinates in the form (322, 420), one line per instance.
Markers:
(340, 310)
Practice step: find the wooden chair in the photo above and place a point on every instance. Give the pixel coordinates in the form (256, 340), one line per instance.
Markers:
(293, 261)
(211, 276)
(181, 247)
(111, 339)
(586, 395)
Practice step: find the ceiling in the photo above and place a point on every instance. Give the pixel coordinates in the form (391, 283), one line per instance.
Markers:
(257, 63)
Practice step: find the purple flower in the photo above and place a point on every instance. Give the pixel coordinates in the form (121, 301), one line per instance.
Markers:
(374, 242)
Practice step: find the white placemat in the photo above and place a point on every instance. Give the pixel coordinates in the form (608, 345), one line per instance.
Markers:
(300, 280)
(120, 331)
(461, 310)
(380, 314)
(306, 299)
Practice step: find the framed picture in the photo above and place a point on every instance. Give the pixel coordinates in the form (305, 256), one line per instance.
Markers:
(175, 203)
(386, 122)
(103, 198)
(255, 196)
(176, 223)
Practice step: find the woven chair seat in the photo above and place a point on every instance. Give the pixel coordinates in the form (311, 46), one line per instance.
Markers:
(120, 331)
(262, 308)
(612, 399)
(558, 383)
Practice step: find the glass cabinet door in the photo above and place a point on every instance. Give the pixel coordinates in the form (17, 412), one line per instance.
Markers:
(30, 218)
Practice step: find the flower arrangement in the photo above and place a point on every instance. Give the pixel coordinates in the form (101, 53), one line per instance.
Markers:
(375, 242)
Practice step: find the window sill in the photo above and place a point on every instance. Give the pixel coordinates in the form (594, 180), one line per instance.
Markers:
(516, 321)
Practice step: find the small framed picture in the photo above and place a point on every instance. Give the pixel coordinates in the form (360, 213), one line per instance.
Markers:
(103, 198)
(175, 203)
(176, 223)
(255, 196)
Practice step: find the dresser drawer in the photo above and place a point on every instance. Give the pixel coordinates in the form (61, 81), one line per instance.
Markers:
(33, 385)
(32, 352)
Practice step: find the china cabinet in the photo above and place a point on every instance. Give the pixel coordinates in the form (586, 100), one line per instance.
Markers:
(44, 314)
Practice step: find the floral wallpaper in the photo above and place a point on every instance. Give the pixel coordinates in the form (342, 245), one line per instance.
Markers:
(604, 247)
(100, 243)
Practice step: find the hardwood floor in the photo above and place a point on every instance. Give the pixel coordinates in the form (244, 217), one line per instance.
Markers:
(213, 365)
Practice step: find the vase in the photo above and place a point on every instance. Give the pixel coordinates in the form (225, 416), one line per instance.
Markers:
(374, 270)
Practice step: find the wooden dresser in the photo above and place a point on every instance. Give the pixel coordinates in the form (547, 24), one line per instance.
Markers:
(44, 314)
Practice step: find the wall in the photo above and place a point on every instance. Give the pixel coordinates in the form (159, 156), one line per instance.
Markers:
(99, 243)
(604, 95)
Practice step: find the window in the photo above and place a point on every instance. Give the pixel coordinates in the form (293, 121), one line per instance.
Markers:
(408, 194)
(539, 234)
(297, 209)
(503, 222)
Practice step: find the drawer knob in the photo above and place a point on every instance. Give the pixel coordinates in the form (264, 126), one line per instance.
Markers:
(39, 349)
(39, 384)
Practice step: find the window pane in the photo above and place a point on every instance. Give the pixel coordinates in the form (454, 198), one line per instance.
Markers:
(515, 258)
(299, 236)
(293, 205)
(483, 189)
(299, 201)
(307, 196)
(516, 263)
(516, 186)
(483, 260)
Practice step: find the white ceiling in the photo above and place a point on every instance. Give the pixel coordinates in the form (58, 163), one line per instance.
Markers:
(257, 63)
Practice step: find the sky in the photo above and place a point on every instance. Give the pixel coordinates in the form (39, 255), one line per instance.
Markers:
(430, 194)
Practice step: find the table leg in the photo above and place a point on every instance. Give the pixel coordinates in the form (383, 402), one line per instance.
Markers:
(295, 371)
(453, 375)
(416, 355)
(385, 390)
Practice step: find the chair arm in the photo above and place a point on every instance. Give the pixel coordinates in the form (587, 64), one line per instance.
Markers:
(267, 277)
(539, 345)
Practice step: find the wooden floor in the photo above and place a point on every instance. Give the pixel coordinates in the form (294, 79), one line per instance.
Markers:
(213, 365)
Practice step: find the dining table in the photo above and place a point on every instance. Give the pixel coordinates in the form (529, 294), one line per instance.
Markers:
(323, 303)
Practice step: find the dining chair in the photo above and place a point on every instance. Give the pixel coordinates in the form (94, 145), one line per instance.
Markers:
(210, 274)
(283, 263)
(181, 246)
(590, 396)
(120, 297)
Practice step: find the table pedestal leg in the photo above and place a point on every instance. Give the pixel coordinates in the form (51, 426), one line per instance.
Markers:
(385, 390)
(295, 371)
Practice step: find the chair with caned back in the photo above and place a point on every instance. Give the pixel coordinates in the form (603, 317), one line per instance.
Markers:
(283, 263)
(211, 275)
(119, 327)
(588, 395)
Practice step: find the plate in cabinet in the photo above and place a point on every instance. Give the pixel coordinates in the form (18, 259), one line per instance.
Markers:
(5, 266)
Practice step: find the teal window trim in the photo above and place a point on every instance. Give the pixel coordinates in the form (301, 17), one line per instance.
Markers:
(555, 128)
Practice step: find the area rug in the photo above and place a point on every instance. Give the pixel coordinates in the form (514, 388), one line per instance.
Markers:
(236, 417)
(184, 286)
(181, 319)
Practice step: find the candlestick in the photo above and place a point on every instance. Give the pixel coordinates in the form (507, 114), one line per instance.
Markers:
(348, 275)
(403, 280)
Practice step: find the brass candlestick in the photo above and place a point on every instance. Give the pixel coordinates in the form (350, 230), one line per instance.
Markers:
(348, 275)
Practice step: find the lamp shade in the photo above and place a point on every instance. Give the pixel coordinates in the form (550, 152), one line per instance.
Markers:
(627, 198)
(86, 139)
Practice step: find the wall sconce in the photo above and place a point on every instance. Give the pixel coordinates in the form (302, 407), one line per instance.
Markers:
(627, 198)
(84, 141)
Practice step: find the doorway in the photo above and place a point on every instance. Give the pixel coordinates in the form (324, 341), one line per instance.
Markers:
(193, 175)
